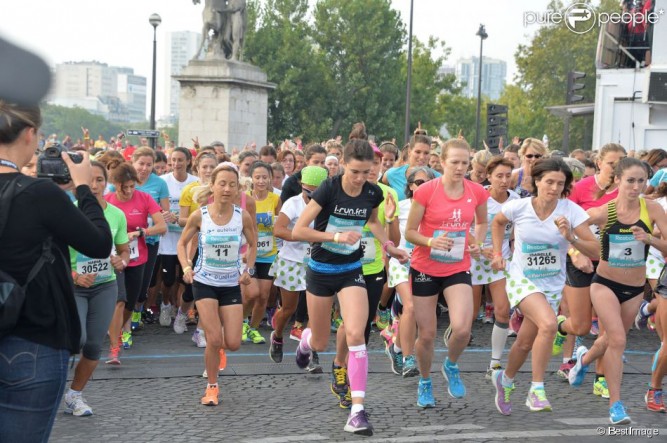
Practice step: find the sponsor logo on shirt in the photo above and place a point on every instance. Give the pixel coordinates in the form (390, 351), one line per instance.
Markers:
(456, 216)
(358, 212)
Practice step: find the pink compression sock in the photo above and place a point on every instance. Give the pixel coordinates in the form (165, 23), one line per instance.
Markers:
(357, 370)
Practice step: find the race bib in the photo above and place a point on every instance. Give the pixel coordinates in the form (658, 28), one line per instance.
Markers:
(343, 225)
(306, 259)
(455, 254)
(540, 260)
(221, 250)
(264, 244)
(367, 248)
(175, 209)
(100, 266)
(625, 251)
(134, 249)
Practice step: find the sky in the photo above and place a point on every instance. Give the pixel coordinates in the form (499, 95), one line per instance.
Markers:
(118, 33)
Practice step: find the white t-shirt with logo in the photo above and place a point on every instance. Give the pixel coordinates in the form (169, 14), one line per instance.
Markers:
(296, 251)
(170, 239)
(539, 248)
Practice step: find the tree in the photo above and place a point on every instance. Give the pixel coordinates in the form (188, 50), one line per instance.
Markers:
(68, 121)
(458, 115)
(361, 43)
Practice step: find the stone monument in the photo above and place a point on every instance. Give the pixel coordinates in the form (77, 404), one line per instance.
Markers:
(223, 98)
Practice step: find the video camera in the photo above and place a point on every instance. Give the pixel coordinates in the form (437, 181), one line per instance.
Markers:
(50, 163)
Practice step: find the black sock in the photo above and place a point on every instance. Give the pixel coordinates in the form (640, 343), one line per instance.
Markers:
(598, 376)
(560, 328)
(382, 308)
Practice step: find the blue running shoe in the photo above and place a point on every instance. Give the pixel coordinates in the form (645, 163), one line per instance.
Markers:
(578, 371)
(618, 415)
(452, 374)
(425, 394)
(410, 367)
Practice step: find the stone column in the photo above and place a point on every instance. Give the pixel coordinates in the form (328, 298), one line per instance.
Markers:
(223, 100)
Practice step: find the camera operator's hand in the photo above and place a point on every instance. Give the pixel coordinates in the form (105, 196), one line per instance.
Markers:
(85, 280)
(81, 173)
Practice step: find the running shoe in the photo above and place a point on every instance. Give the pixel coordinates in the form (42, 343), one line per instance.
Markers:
(77, 406)
(600, 388)
(244, 331)
(150, 315)
(358, 424)
(295, 333)
(223, 360)
(515, 321)
(651, 322)
(388, 336)
(488, 313)
(618, 415)
(339, 384)
(654, 401)
(383, 318)
(336, 323)
(303, 357)
(579, 341)
(578, 371)
(452, 374)
(641, 320)
(255, 337)
(345, 402)
(494, 367)
(113, 359)
(276, 348)
(126, 339)
(199, 338)
(564, 369)
(595, 327)
(410, 366)
(192, 318)
(446, 335)
(396, 359)
(165, 315)
(480, 314)
(503, 392)
(537, 400)
(425, 394)
(314, 364)
(180, 323)
(210, 398)
(559, 340)
(135, 321)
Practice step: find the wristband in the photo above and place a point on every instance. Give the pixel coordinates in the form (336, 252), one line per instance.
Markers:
(141, 232)
(386, 244)
(390, 220)
(187, 269)
(428, 243)
(572, 252)
(497, 254)
(336, 237)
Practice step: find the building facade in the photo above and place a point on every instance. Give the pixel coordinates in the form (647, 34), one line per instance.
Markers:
(494, 73)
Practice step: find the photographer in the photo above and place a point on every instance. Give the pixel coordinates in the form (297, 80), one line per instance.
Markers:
(36, 349)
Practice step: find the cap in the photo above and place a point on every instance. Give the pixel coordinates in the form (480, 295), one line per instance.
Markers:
(313, 175)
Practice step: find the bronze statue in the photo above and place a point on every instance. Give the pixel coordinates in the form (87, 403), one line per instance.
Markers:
(224, 27)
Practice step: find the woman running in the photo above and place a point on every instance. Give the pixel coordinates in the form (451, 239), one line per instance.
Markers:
(499, 173)
(402, 347)
(340, 207)
(588, 193)
(267, 205)
(95, 292)
(617, 289)
(289, 267)
(531, 150)
(220, 226)
(441, 215)
(138, 207)
(543, 227)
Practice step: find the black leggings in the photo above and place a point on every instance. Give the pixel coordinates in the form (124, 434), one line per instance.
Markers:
(134, 276)
(301, 314)
(148, 273)
(170, 268)
(374, 285)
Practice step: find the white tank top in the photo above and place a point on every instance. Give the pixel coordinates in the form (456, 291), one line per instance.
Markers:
(219, 250)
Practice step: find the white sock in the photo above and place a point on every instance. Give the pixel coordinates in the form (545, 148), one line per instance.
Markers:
(72, 393)
(356, 408)
(536, 385)
(498, 340)
(493, 363)
(645, 311)
(397, 349)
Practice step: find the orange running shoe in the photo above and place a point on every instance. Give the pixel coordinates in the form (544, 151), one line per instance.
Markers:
(223, 360)
(211, 396)
(113, 356)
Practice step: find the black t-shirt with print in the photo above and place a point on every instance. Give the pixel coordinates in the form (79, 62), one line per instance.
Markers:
(341, 213)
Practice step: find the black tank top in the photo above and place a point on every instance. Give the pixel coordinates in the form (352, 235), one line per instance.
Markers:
(618, 245)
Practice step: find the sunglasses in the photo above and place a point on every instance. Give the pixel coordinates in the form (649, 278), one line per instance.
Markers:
(533, 155)
(418, 182)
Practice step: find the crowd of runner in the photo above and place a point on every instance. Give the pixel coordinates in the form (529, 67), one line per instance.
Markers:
(346, 237)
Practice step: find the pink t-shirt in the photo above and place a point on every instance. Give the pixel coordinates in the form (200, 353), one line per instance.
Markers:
(136, 210)
(443, 214)
(583, 194)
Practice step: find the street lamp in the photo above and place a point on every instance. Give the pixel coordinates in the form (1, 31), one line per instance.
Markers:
(155, 21)
(481, 32)
(409, 82)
